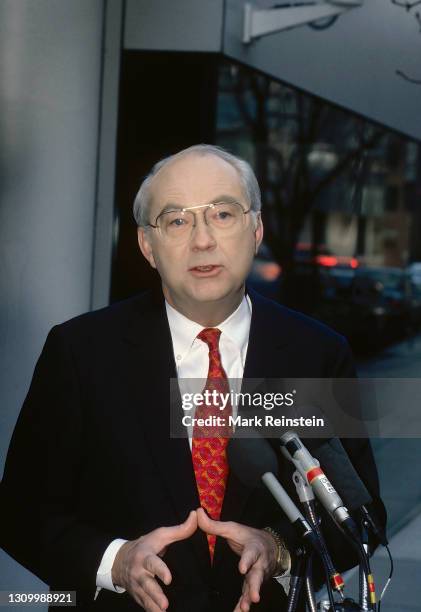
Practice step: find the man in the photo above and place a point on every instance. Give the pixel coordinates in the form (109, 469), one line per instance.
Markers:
(98, 498)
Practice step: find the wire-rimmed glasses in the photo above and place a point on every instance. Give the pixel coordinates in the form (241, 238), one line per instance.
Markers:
(223, 217)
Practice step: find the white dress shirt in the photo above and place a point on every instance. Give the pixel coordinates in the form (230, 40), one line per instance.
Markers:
(192, 362)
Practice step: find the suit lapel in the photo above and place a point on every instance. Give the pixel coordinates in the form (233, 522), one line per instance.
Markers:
(269, 335)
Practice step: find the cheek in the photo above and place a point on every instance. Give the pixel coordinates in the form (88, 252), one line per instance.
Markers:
(241, 255)
(169, 263)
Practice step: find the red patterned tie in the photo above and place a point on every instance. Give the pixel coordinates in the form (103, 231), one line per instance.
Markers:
(210, 442)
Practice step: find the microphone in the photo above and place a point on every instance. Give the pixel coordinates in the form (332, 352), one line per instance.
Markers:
(253, 460)
(339, 473)
(294, 450)
(300, 524)
(250, 458)
(344, 477)
(306, 496)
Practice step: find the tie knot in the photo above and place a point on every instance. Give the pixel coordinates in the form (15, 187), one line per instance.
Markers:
(210, 335)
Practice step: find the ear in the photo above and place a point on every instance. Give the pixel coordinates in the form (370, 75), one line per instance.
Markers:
(258, 232)
(145, 246)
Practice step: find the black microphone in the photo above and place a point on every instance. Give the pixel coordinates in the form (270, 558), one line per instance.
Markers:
(250, 458)
(338, 468)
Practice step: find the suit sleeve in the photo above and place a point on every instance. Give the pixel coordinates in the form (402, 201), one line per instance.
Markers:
(41, 525)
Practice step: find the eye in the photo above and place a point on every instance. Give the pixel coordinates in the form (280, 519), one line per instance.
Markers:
(223, 214)
(175, 220)
(178, 222)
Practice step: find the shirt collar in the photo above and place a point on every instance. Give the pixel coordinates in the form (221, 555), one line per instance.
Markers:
(236, 327)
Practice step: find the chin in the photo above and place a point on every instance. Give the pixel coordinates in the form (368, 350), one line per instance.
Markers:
(212, 294)
(208, 296)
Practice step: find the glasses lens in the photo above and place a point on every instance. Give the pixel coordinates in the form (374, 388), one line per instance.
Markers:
(225, 215)
(175, 223)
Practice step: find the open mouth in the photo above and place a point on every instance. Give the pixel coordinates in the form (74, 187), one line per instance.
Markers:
(205, 270)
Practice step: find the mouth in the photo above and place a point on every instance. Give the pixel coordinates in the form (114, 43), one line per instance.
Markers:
(209, 270)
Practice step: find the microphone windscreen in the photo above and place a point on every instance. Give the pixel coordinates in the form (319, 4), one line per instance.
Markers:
(250, 458)
(337, 466)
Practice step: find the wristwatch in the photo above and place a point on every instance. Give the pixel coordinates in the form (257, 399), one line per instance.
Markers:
(283, 559)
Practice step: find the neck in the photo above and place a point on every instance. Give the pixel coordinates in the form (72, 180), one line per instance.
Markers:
(207, 314)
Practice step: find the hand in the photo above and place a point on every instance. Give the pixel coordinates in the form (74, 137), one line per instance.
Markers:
(257, 549)
(138, 562)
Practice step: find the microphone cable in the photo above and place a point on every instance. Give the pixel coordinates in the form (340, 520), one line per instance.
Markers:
(297, 580)
(330, 572)
(365, 562)
(311, 599)
(335, 579)
(386, 586)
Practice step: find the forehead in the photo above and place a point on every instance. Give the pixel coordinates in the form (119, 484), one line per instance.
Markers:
(195, 179)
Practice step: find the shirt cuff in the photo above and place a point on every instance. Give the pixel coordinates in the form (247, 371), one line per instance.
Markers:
(284, 579)
(103, 577)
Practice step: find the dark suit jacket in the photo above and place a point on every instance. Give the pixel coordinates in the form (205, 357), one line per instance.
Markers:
(91, 458)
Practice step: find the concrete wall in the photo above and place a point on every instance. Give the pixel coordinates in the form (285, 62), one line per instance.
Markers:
(352, 63)
(50, 62)
(165, 25)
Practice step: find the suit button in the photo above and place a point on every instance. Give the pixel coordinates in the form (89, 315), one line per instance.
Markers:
(215, 594)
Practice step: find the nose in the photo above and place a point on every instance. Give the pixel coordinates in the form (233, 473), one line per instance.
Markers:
(202, 237)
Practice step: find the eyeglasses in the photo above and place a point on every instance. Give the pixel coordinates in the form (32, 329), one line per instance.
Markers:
(222, 217)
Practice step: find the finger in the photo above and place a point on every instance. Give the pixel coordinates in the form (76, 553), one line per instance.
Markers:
(168, 535)
(226, 529)
(241, 603)
(154, 592)
(238, 607)
(244, 602)
(248, 559)
(157, 567)
(254, 581)
(148, 603)
(140, 596)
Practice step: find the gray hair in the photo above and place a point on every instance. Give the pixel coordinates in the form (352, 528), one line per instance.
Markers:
(247, 177)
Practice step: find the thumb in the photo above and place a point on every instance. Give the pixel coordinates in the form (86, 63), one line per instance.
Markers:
(179, 532)
(208, 525)
(248, 558)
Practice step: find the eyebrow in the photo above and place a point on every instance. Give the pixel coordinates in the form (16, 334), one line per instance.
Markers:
(221, 198)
